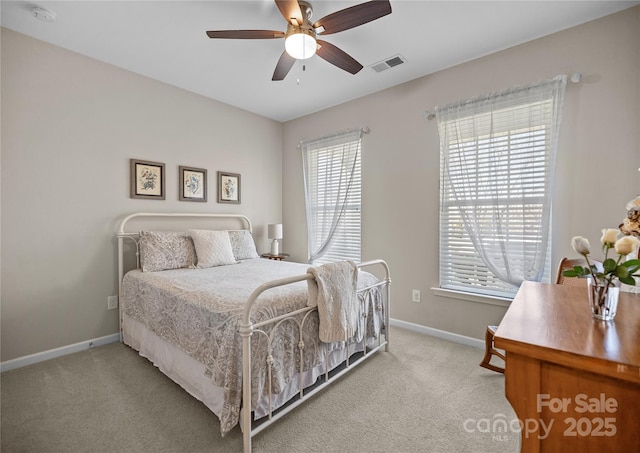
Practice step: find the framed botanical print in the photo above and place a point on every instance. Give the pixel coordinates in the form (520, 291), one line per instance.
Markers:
(228, 187)
(147, 180)
(193, 183)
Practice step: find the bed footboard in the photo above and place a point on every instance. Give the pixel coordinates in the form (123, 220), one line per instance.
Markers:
(377, 294)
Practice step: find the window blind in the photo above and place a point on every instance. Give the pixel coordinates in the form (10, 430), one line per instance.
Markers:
(333, 182)
(496, 171)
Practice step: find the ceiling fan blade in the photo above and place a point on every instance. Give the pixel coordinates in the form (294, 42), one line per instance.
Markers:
(290, 10)
(352, 17)
(245, 34)
(285, 63)
(338, 57)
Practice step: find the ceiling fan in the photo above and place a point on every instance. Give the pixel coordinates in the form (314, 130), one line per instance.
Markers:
(300, 38)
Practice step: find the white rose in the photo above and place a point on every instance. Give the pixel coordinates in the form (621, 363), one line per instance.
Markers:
(626, 245)
(581, 245)
(609, 236)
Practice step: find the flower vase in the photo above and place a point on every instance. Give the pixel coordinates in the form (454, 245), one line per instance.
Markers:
(603, 298)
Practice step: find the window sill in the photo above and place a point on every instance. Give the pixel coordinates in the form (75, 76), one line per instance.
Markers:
(472, 297)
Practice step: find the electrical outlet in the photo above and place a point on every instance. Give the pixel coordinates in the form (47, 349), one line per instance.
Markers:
(416, 295)
(112, 302)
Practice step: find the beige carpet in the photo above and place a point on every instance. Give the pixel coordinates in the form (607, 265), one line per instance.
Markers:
(426, 395)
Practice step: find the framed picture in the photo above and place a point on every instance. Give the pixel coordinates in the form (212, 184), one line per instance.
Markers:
(193, 183)
(147, 179)
(228, 187)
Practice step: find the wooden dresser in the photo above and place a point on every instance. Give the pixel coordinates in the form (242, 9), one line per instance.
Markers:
(573, 381)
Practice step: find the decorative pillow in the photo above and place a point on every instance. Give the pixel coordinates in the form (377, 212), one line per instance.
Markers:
(213, 248)
(160, 250)
(242, 244)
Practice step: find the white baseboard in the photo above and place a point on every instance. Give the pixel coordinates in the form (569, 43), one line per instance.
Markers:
(58, 352)
(469, 341)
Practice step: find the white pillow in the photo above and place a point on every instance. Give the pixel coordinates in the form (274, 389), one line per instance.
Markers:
(213, 248)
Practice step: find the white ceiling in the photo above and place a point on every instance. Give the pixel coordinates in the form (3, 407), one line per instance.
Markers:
(166, 40)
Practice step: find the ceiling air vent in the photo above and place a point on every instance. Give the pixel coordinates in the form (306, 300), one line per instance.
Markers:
(388, 63)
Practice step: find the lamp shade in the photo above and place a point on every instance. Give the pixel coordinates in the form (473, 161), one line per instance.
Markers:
(300, 45)
(275, 231)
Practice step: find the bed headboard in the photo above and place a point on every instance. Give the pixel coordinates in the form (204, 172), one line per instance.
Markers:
(130, 226)
(172, 221)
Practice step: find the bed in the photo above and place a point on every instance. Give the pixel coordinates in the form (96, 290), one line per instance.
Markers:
(208, 319)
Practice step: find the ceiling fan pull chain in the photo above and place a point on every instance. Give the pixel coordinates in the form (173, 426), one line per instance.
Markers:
(304, 68)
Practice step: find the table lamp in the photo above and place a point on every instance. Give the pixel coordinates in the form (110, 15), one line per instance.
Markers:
(275, 233)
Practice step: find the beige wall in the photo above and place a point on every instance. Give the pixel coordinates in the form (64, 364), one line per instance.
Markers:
(597, 165)
(70, 124)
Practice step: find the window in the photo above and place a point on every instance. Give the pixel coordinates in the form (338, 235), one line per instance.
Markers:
(497, 154)
(333, 179)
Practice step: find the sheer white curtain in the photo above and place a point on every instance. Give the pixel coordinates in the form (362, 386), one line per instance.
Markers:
(330, 165)
(497, 159)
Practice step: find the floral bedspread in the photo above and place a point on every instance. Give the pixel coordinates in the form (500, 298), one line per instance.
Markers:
(200, 310)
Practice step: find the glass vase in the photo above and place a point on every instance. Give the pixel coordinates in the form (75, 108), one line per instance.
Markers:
(603, 298)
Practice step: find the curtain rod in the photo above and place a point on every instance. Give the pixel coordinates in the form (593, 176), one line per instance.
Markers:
(364, 129)
(576, 77)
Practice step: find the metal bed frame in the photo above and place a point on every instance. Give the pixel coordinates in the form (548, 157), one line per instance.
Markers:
(379, 291)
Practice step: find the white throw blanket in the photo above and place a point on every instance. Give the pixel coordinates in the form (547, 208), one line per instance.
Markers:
(334, 293)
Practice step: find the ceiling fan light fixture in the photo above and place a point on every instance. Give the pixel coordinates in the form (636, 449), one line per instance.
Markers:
(300, 37)
(301, 44)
